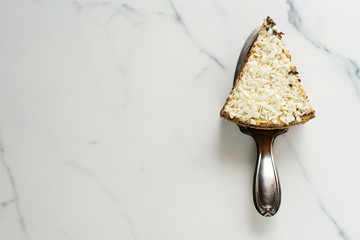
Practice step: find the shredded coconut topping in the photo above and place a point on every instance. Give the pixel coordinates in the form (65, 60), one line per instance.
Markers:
(268, 89)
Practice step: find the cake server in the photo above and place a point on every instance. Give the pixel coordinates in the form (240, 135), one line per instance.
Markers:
(266, 183)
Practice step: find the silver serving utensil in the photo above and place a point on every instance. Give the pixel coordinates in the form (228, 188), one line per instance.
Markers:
(266, 185)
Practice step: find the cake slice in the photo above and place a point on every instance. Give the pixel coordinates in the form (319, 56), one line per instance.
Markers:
(267, 93)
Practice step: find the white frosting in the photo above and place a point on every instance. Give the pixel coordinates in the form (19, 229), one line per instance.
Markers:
(266, 90)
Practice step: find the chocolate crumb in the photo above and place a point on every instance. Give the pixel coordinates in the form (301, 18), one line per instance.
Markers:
(275, 32)
(267, 29)
(290, 85)
(299, 80)
(270, 21)
(280, 34)
(293, 72)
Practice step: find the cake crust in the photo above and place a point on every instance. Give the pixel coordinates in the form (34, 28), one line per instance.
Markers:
(268, 125)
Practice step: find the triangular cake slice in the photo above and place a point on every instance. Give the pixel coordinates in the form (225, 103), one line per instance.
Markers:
(268, 93)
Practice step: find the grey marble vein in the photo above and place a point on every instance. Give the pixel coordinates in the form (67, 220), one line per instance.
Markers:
(179, 19)
(14, 190)
(123, 9)
(124, 87)
(57, 227)
(128, 12)
(6, 203)
(80, 6)
(94, 143)
(215, 59)
(219, 8)
(339, 229)
(352, 68)
(199, 75)
(112, 197)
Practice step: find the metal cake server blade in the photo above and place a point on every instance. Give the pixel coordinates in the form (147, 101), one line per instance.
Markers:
(266, 183)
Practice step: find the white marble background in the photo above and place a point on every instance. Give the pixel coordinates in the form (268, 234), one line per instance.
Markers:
(110, 128)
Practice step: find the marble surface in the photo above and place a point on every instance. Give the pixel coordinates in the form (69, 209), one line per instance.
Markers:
(110, 128)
